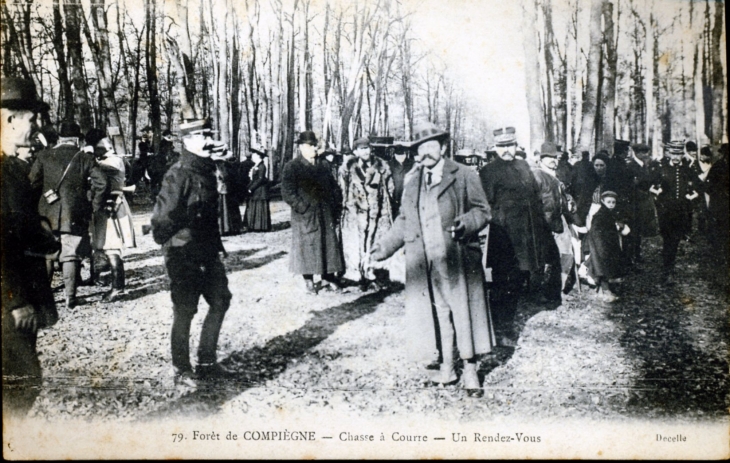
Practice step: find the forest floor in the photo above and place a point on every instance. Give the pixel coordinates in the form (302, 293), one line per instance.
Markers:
(657, 352)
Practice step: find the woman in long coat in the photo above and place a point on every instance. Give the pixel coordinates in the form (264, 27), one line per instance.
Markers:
(604, 246)
(258, 215)
(308, 186)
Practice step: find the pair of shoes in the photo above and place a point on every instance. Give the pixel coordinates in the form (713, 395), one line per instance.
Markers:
(213, 370)
(310, 288)
(113, 295)
(186, 378)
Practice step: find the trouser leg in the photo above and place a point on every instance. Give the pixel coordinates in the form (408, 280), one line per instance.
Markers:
(209, 336)
(117, 269)
(49, 268)
(186, 280)
(180, 338)
(218, 297)
(70, 270)
(670, 245)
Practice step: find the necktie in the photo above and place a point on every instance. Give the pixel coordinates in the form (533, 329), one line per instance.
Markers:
(428, 178)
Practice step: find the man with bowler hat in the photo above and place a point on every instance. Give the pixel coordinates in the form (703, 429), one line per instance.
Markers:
(62, 175)
(27, 301)
(185, 223)
(442, 212)
(308, 186)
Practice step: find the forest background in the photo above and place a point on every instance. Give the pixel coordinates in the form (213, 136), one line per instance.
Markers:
(577, 72)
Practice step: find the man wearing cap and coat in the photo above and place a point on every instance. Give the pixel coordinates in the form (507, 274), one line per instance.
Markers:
(65, 170)
(307, 185)
(185, 223)
(641, 214)
(442, 211)
(674, 190)
(27, 300)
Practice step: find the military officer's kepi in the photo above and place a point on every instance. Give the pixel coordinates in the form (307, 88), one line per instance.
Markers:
(505, 136)
(674, 147)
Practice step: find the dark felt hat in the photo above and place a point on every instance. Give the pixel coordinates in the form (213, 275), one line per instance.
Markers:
(427, 132)
(69, 129)
(640, 148)
(548, 149)
(307, 137)
(505, 136)
(94, 136)
(20, 94)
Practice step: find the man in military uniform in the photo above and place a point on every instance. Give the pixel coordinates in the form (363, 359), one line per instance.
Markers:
(185, 223)
(675, 191)
(27, 301)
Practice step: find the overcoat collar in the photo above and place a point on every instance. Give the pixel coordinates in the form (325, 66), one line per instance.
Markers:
(448, 177)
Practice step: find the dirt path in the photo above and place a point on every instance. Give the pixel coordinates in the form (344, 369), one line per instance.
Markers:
(655, 353)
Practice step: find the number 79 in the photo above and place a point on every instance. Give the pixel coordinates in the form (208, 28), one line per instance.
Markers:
(177, 437)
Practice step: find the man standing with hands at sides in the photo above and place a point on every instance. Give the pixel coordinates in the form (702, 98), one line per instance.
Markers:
(185, 223)
(675, 190)
(27, 301)
(308, 186)
(443, 208)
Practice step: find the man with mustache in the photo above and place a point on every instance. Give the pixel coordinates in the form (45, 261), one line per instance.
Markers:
(517, 231)
(442, 211)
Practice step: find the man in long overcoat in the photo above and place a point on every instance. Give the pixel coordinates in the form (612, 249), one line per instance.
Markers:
(65, 170)
(308, 186)
(443, 209)
(27, 300)
(641, 214)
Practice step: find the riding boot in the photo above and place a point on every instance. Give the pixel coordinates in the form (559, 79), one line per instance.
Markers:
(180, 340)
(209, 336)
(117, 268)
(69, 282)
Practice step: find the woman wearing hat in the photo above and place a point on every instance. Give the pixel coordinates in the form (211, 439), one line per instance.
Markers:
(604, 246)
(112, 220)
(258, 215)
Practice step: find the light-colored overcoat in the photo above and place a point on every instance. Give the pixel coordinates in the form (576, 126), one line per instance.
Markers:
(460, 195)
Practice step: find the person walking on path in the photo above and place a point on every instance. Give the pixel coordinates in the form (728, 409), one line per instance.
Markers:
(442, 212)
(674, 192)
(367, 211)
(112, 227)
(308, 186)
(27, 300)
(62, 175)
(258, 214)
(185, 223)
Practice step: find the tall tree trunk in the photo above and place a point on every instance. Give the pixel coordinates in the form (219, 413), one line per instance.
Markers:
(179, 52)
(719, 81)
(608, 92)
(590, 103)
(532, 75)
(82, 106)
(66, 109)
(155, 116)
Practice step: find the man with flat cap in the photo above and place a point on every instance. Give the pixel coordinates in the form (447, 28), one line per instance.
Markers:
(442, 211)
(307, 185)
(368, 188)
(62, 175)
(27, 301)
(674, 189)
(517, 229)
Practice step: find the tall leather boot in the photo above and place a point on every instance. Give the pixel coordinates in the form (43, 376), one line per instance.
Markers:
(207, 361)
(69, 282)
(117, 268)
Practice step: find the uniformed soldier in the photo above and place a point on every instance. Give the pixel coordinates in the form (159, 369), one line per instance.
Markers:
(185, 223)
(674, 192)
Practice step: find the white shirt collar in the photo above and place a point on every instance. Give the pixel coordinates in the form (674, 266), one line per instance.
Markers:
(437, 172)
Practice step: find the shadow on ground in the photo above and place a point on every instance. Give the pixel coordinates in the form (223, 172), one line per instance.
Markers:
(271, 359)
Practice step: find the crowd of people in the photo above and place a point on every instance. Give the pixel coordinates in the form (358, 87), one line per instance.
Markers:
(471, 244)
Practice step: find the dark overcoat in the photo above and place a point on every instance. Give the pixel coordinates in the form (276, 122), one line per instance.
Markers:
(514, 196)
(604, 245)
(673, 208)
(72, 212)
(641, 212)
(459, 196)
(316, 205)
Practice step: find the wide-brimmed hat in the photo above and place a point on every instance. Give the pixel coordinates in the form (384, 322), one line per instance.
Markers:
(609, 194)
(69, 129)
(505, 136)
(307, 137)
(427, 132)
(361, 142)
(548, 149)
(20, 94)
(192, 128)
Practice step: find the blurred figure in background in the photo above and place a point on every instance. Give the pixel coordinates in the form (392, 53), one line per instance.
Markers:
(258, 215)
